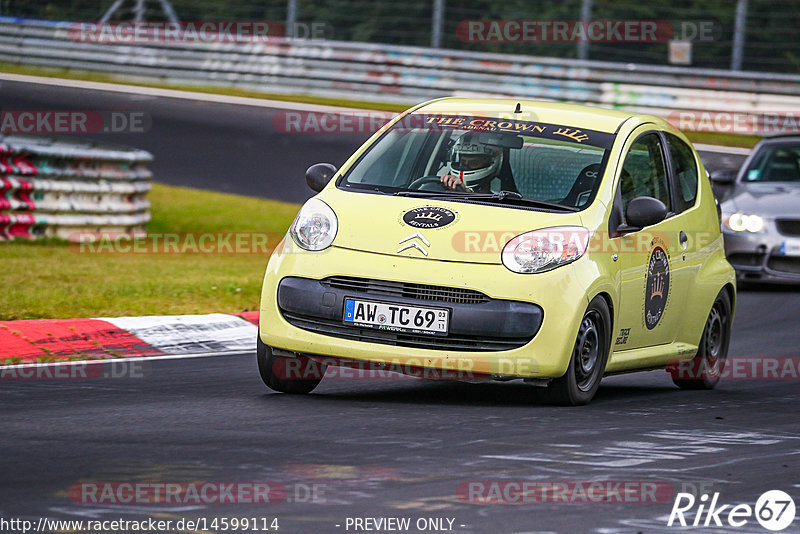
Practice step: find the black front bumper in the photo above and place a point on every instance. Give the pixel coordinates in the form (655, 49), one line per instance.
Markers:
(476, 323)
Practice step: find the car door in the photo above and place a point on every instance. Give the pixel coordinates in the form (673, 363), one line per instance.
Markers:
(652, 279)
(686, 173)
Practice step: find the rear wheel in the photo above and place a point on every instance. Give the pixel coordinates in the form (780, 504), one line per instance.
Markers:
(589, 356)
(705, 369)
(298, 375)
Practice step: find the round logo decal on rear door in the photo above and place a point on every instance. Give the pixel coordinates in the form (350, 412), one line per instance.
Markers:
(429, 217)
(657, 289)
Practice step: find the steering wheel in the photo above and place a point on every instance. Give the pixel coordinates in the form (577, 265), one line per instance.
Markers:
(419, 184)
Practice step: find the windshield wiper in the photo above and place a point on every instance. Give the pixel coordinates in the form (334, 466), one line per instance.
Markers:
(383, 190)
(511, 197)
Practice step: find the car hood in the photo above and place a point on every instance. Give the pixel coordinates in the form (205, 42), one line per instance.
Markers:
(775, 200)
(434, 229)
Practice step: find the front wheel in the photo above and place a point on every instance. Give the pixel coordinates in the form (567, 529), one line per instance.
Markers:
(299, 375)
(705, 369)
(589, 356)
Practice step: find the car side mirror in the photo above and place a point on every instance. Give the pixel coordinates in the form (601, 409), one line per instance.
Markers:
(318, 176)
(723, 176)
(645, 211)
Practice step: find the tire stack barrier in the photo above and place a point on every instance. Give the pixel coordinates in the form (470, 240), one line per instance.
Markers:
(56, 188)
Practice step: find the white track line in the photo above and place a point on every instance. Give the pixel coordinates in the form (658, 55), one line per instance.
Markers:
(735, 150)
(245, 101)
(174, 93)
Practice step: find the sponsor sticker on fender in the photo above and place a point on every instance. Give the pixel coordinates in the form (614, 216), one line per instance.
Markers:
(657, 288)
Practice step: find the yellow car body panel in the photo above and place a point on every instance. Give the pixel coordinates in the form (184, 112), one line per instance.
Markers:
(370, 228)
(545, 356)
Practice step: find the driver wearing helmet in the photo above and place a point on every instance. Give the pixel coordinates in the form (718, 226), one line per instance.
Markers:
(472, 166)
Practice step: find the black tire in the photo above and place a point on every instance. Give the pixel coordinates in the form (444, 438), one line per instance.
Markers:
(705, 369)
(298, 375)
(589, 356)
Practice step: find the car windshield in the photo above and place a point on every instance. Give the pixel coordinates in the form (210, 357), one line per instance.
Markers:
(486, 159)
(779, 163)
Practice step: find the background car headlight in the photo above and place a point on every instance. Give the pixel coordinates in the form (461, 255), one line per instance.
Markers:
(315, 226)
(741, 222)
(546, 249)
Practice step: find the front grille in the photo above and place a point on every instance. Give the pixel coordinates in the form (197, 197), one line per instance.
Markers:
(746, 259)
(452, 342)
(788, 226)
(786, 264)
(408, 290)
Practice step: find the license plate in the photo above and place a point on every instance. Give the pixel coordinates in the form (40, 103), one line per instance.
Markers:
(396, 317)
(790, 247)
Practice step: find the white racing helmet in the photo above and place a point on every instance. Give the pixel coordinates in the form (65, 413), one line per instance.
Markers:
(481, 164)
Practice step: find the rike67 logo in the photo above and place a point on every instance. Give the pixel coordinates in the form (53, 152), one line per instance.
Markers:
(774, 510)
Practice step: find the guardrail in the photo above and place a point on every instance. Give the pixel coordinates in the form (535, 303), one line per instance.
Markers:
(54, 188)
(403, 74)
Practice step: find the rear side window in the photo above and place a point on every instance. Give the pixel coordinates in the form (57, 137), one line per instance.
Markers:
(684, 169)
(644, 173)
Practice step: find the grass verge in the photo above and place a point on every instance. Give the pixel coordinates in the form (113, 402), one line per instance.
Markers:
(49, 279)
(724, 139)
(12, 68)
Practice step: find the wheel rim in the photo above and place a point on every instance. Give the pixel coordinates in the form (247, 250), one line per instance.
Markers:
(715, 339)
(587, 352)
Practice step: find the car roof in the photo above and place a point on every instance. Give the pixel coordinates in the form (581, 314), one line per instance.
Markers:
(578, 116)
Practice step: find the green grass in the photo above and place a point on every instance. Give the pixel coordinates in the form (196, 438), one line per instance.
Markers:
(51, 279)
(725, 139)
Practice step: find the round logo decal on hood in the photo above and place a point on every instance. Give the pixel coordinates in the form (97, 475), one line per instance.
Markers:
(429, 217)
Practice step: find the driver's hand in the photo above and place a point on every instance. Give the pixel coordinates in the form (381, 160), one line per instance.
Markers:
(453, 182)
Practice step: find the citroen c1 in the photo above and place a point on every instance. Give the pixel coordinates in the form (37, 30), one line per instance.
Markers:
(498, 239)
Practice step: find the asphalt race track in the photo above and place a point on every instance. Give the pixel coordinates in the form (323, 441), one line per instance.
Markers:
(371, 448)
(221, 147)
(401, 448)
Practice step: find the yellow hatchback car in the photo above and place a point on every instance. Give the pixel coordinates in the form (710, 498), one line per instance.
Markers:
(504, 239)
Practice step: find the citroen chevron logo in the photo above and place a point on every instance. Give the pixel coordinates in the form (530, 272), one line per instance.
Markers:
(416, 237)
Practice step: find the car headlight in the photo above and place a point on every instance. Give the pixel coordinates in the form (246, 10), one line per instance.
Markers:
(546, 249)
(742, 222)
(315, 226)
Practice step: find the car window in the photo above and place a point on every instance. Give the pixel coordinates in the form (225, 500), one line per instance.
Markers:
(541, 162)
(684, 169)
(775, 164)
(643, 172)
(556, 171)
